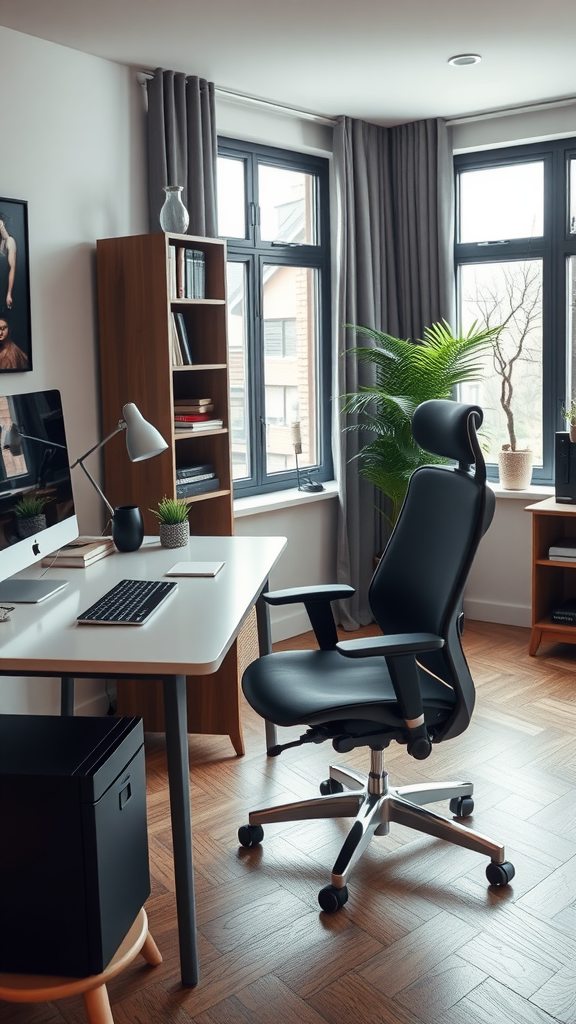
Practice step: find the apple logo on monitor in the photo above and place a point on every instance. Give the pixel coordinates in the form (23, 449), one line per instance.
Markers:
(36, 548)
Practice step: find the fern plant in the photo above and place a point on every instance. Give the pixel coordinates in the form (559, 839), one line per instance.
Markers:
(171, 510)
(406, 374)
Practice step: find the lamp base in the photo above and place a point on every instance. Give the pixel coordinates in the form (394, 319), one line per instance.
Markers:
(127, 527)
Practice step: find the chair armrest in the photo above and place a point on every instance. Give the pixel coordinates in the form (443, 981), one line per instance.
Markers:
(400, 651)
(330, 592)
(397, 643)
(316, 600)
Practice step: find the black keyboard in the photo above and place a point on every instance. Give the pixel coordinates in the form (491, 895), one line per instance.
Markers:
(129, 603)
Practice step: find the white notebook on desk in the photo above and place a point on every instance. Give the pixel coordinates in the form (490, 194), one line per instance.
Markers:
(195, 569)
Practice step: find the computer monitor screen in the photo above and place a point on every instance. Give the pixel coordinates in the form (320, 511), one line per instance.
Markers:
(37, 512)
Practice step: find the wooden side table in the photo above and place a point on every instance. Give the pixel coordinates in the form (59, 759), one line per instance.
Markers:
(36, 988)
(552, 581)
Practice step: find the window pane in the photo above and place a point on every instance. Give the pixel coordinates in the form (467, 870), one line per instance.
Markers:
(290, 314)
(502, 202)
(572, 197)
(511, 389)
(237, 338)
(287, 205)
(231, 198)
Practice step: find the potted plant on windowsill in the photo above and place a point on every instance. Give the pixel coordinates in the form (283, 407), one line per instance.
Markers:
(30, 517)
(172, 514)
(569, 415)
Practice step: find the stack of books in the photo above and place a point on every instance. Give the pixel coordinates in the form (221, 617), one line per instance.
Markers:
(187, 270)
(565, 613)
(80, 553)
(563, 550)
(199, 479)
(181, 351)
(194, 414)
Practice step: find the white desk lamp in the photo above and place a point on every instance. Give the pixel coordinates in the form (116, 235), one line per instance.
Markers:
(143, 441)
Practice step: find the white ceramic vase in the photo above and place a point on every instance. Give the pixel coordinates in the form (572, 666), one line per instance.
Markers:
(515, 469)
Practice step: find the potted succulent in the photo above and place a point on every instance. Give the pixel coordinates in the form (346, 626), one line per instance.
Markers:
(30, 517)
(172, 514)
(406, 374)
(569, 414)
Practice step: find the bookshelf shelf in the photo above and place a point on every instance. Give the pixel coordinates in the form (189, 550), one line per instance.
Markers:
(553, 581)
(136, 324)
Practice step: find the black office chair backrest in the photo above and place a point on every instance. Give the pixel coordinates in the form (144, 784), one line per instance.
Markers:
(419, 583)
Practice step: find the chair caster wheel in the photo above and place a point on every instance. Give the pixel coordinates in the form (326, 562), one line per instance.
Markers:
(462, 806)
(500, 874)
(330, 786)
(250, 835)
(331, 899)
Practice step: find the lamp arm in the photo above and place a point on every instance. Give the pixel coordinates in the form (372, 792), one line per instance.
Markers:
(80, 463)
(100, 444)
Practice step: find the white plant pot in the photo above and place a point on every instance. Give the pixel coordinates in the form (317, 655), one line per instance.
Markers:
(174, 535)
(572, 432)
(515, 469)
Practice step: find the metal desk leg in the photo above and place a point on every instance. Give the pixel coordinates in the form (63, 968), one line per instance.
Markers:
(174, 689)
(67, 696)
(265, 647)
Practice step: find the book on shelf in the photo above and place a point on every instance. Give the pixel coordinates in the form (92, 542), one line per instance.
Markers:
(191, 417)
(563, 550)
(209, 424)
(185, 472)
(194, 274)
(81, 553)
(184, 408)
(180, 273)
(183, 338)
(188, 490)
(176, 350)
(172, 272)
(181, 402)
(565, 612)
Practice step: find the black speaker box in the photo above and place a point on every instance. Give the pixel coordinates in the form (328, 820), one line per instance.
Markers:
(73, 841)
(565, 468)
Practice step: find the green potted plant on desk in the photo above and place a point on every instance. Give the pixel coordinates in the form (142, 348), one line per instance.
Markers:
(569, 415)
(172, 514)
(30, 517)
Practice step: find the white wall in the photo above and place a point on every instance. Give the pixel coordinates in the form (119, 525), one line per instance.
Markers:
(73, 148)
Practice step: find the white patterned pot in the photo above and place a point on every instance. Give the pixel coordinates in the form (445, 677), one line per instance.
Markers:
(174, 535)
(515, 469)
(34, 524)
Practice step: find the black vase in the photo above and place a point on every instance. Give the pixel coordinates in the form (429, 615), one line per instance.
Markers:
(127, 527)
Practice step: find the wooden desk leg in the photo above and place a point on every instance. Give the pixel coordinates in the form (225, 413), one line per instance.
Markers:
(174, 688)
(265, 647)
(67, 696)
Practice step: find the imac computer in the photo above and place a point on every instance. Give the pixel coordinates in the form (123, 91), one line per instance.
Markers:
(34, 478)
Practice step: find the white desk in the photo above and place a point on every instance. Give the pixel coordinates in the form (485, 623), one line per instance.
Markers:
(189, 635)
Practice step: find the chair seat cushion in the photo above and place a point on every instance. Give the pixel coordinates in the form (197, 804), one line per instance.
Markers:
(313, 687)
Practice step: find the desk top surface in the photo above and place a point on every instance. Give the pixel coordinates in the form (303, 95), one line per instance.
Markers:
(189, 634)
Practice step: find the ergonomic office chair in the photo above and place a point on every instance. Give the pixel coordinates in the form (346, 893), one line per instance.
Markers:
(412, 684)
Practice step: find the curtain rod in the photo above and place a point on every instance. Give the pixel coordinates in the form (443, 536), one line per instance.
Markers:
(527, 108)
(257, 101)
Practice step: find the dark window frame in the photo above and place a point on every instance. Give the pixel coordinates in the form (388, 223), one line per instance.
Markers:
(256, 253)
(553, 248)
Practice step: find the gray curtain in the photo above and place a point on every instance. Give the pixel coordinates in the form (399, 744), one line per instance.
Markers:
(182, 147)
(395, 195)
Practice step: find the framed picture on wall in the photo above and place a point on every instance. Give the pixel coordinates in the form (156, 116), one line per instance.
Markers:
(15, 329)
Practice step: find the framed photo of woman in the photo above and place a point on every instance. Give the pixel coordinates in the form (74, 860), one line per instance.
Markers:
(15, 329)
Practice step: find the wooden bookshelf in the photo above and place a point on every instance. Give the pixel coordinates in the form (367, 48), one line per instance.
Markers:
(136, 300)
(552, 581)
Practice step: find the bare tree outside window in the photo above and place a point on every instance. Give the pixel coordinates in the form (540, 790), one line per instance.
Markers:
(509, 295)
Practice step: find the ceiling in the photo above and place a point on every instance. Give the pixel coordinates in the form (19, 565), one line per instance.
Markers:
(372, 59)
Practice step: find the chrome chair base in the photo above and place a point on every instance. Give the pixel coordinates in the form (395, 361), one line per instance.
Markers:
(375, 804)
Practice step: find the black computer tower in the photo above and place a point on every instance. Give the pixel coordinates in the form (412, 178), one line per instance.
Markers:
(565, 468)
(73, 841)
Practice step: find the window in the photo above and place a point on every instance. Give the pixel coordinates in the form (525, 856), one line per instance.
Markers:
(516, 265)
(273, 211)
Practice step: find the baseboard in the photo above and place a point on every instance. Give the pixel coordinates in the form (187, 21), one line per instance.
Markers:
(505, 614)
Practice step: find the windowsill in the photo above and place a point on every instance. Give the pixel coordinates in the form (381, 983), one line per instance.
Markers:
(289, 498)
(531, 493)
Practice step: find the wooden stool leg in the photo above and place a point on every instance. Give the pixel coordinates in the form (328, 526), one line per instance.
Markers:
(97, 1006)
(150, 951)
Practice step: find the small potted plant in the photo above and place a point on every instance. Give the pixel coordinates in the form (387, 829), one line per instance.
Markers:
(30, 517)
(172, 514)
(569, 414)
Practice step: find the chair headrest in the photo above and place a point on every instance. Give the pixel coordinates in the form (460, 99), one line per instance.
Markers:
(444, 428)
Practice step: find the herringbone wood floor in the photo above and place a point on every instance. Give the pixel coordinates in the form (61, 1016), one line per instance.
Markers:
(422, 939)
